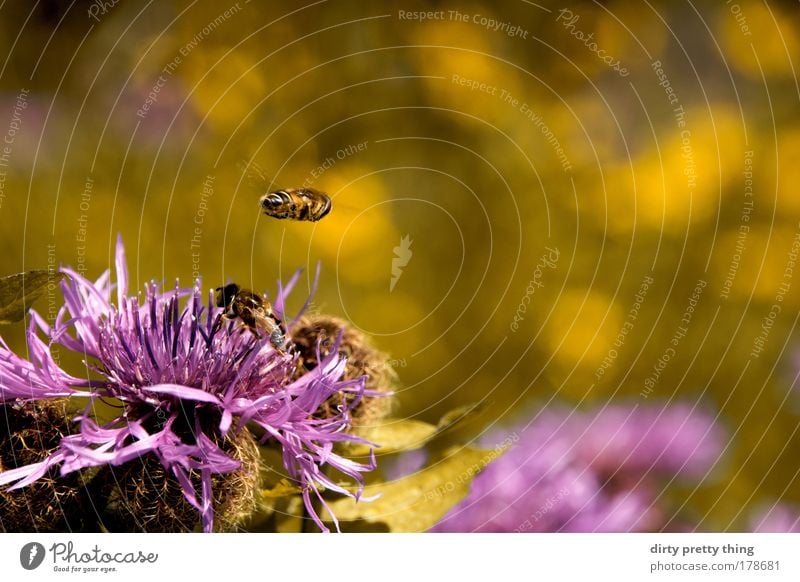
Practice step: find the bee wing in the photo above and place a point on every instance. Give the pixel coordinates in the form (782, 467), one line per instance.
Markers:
(255, 175)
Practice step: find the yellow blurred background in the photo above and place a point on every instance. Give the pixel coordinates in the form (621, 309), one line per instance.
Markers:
(540, 186)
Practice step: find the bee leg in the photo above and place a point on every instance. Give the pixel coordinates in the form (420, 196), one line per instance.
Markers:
(218, 324)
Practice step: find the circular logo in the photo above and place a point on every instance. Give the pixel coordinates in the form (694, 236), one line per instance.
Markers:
(31, 555)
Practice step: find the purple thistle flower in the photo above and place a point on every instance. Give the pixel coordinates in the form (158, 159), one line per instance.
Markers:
(585, 472)
(674, 439)
(777, 518)
(183, 381)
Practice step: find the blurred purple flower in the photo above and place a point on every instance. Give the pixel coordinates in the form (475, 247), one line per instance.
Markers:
(673, 439)
(403, 464)
(160, 113)
(586, 472)
(183, 383)
(777, 518)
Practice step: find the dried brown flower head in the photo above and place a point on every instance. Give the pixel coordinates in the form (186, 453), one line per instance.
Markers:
(28, 434)
(140, 496)
(362, 358)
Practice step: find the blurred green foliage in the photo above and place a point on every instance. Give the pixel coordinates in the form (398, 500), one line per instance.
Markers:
(128, 115)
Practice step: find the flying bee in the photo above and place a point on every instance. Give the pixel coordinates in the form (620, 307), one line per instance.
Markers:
(292, 203)
(296, 204)
(254, 311)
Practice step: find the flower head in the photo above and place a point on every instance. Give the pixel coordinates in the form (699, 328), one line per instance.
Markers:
(185, 384)
(585, 472)
(315, 335)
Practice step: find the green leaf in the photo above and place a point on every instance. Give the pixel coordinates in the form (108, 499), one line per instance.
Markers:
(273, 473)
(18, 292)
(394, 435)
(417, 502)
(289, 516)
(404, 435)
(458, 415)
(279, 514)
(284, 488)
